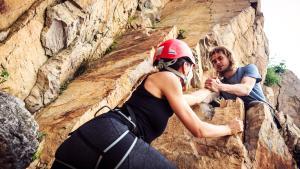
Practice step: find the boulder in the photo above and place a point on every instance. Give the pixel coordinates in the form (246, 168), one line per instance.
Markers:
(291, 135)
(287, 95)
(18, 133)
(266, 147)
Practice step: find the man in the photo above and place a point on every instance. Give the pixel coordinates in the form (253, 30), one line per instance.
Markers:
(236, 81)
(243, 82)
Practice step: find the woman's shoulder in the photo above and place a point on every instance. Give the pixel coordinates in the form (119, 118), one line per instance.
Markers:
(163, 80)
(163, 76)
(158, 83)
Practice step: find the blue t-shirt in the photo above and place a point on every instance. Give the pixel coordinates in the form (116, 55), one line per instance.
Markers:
(256, 93)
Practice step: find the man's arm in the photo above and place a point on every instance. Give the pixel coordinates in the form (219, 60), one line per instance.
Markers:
(242, 89)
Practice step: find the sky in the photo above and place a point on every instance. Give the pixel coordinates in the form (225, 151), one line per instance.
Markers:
(282, 27)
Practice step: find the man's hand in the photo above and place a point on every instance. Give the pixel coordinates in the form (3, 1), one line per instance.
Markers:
(213, 84)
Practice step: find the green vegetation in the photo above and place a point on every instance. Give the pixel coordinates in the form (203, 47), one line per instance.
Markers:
(64, 86)
(272, 78)
(273, 74)
(131, 19)
(40, 136)
(4, 76)
(37, 154)
(280, 68)
(111, 47)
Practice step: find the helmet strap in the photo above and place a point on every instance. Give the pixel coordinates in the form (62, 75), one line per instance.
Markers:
(182, 76)
(161, 64)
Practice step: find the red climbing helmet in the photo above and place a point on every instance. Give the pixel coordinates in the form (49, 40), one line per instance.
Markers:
(173, 49)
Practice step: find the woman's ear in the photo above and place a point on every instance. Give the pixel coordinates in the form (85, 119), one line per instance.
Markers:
(186, 67)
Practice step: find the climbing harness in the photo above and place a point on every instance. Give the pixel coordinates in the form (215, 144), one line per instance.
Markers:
(131, 119)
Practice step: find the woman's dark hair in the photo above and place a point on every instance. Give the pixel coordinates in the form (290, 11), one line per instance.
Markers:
(179, 62)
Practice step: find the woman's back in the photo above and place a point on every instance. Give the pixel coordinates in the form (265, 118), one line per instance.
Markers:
(152, 111)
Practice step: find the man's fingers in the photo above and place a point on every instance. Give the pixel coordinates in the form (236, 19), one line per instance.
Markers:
(208, 85)
(208, 81)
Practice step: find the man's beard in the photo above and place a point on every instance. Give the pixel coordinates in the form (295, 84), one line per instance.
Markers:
(229, 68)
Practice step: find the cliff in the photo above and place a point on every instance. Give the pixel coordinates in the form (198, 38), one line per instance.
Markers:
(285, 95)
(66, 59)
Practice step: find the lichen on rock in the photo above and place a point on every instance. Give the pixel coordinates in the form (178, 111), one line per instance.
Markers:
(18, 133)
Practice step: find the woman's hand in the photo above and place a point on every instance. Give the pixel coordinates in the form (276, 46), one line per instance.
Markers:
(236, 126)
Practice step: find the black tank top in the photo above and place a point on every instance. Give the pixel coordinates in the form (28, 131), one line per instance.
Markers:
(152, 113)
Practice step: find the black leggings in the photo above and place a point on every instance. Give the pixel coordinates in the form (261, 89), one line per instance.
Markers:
(83, 148)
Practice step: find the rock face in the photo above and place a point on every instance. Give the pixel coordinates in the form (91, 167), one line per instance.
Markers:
(187, 151)
(21, 50)
(67, 59)
(10, 10)
(228, 23)
(244, 36)
(79, 34)
(75, 33)
(18, 133)
(69, 32)
(262, 145)
(287, 96)
(107, 82)
(266, 147)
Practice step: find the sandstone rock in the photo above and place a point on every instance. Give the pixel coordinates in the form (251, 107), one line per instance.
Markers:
(107, 81)
(291, 135)
(18, 133)
(21, 51)
(64, 21)
(94, 31)
(256, 4)
(210, 23)
(11, 10)
(270, 95)
(85, 4)
(147, 14)
(3, 35)
(266, 147)
(189, 152)
(289, 130)
(54, 74)
(287, 95)
(244, 36)
(113, 21)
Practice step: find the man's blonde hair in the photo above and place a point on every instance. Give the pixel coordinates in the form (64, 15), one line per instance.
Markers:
(226, 52)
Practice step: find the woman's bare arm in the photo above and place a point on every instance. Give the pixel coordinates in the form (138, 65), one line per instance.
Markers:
(200, 95)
